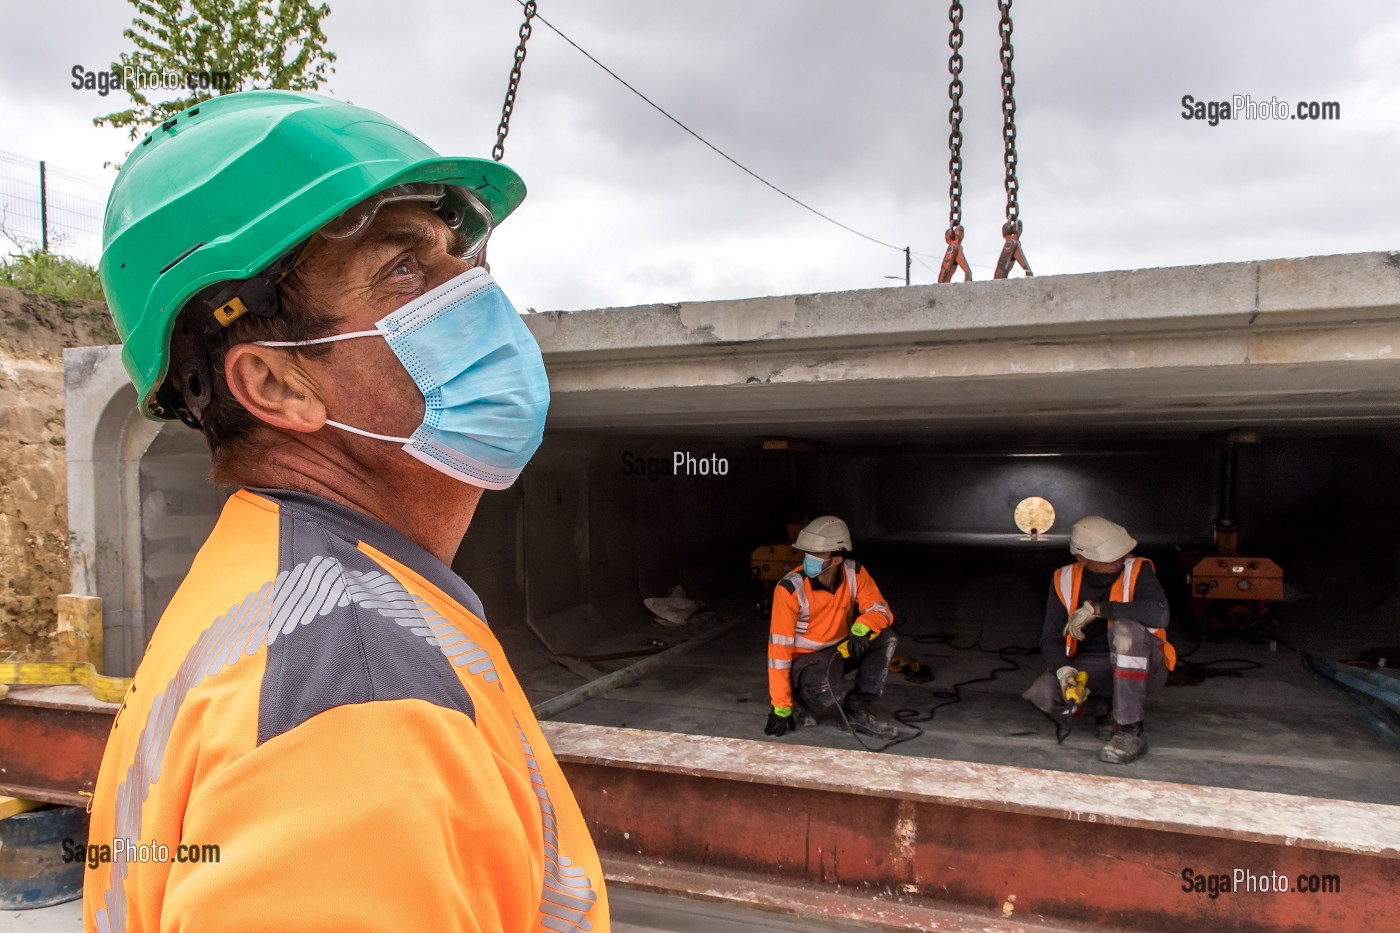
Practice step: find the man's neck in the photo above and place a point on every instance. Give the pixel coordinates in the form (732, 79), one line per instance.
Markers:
(429, 508)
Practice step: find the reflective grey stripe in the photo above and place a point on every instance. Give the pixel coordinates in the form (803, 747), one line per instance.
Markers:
(381, 591)
(297, 597)
(1129, 584)
(1064, 585)
(809, 645)
(804, 609)
(777, 665)
(883, 609)
(567, 895)
(781, 640)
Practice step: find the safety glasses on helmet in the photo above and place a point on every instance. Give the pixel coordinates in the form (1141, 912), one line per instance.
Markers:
(461, 210)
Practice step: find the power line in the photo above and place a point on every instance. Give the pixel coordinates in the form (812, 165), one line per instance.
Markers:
(659, 109)
(917, 254)
(925, 265)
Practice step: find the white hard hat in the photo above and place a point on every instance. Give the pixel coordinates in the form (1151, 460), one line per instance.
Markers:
(1096, 538)
(824, 535)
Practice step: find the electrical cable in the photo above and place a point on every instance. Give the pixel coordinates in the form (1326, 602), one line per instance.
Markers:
(840, 709)
(953, 694)
(659, 109)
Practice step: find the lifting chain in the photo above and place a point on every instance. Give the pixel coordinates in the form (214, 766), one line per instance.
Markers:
(954, 258)
(1011, 252)
(499, 152)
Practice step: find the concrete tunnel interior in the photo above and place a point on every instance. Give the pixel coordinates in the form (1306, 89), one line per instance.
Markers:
(908, 414)
(564, 559)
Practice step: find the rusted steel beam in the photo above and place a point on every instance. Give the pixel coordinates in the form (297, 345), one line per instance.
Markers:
(51, 742)
(1075, 848)
(994, 841)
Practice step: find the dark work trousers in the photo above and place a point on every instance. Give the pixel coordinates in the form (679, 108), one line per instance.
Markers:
(1120, 679)
(815, 676)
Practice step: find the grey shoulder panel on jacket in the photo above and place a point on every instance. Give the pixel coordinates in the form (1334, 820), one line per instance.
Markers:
(345, 632)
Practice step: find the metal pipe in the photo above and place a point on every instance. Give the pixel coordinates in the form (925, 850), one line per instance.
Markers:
(1228, 462)
(629, 675)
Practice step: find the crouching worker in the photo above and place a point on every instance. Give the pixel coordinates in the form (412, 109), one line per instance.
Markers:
(1106, 617)
(828, 619)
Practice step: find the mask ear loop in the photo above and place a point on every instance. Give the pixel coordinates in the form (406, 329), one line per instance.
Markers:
(331, 339)
(306, 343)
(371, 434)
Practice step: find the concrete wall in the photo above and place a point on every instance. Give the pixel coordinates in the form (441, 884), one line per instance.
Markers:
(178, 509)
(607, 523)
(1328, 510)
(106, 440)
(1165, 495)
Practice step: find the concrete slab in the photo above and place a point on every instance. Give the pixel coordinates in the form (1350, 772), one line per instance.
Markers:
(1280, 342)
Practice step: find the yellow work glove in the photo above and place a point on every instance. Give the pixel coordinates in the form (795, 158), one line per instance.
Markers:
(1078, 619)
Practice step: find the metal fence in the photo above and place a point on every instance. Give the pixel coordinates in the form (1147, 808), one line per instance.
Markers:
(49, 208)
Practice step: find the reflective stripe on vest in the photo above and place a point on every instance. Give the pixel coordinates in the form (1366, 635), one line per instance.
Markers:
(804, 607)
(1067, 580)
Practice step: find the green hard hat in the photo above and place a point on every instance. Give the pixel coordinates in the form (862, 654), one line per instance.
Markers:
(226, 188)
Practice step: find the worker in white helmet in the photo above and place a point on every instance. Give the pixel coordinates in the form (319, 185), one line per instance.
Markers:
(828, 619)
(1106, 616)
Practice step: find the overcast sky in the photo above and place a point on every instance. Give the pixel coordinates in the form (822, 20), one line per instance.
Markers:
(844, 105)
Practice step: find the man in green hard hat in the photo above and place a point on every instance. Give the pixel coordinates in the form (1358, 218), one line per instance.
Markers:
(322, 702)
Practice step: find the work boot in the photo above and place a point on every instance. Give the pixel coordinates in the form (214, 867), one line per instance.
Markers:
(1103, 727)
(1127, 745)
(862, 720)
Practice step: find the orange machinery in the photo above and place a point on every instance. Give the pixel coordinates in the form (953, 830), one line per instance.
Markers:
(1234, 591)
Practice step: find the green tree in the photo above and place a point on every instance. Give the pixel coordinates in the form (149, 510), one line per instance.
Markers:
(250, 43)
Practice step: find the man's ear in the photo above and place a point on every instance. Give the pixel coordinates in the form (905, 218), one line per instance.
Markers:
(274, 388)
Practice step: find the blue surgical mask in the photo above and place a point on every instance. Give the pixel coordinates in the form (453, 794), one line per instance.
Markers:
(481, 375)
(812, 566)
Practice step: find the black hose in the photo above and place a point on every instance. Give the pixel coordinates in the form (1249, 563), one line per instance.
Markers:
(953, 694)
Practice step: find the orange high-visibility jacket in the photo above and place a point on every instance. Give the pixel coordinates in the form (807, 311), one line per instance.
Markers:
(806, 618)
(1066, 584)
(323, 702)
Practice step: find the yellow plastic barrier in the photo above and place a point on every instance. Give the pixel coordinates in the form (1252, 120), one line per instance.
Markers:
(59, 673)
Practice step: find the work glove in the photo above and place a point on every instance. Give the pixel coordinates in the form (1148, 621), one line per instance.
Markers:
(1073, 688)
(858, 643)
(780, 721)
(1077, 620)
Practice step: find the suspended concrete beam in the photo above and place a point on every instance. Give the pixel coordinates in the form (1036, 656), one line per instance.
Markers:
(1289, 342)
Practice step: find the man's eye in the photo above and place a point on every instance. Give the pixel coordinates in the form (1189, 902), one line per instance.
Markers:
(405, 267)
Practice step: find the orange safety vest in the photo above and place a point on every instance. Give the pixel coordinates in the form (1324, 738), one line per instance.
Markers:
(798, 627)
(1066, 583)
(323, 703)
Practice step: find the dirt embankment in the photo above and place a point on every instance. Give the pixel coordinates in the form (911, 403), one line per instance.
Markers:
(33, 474)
